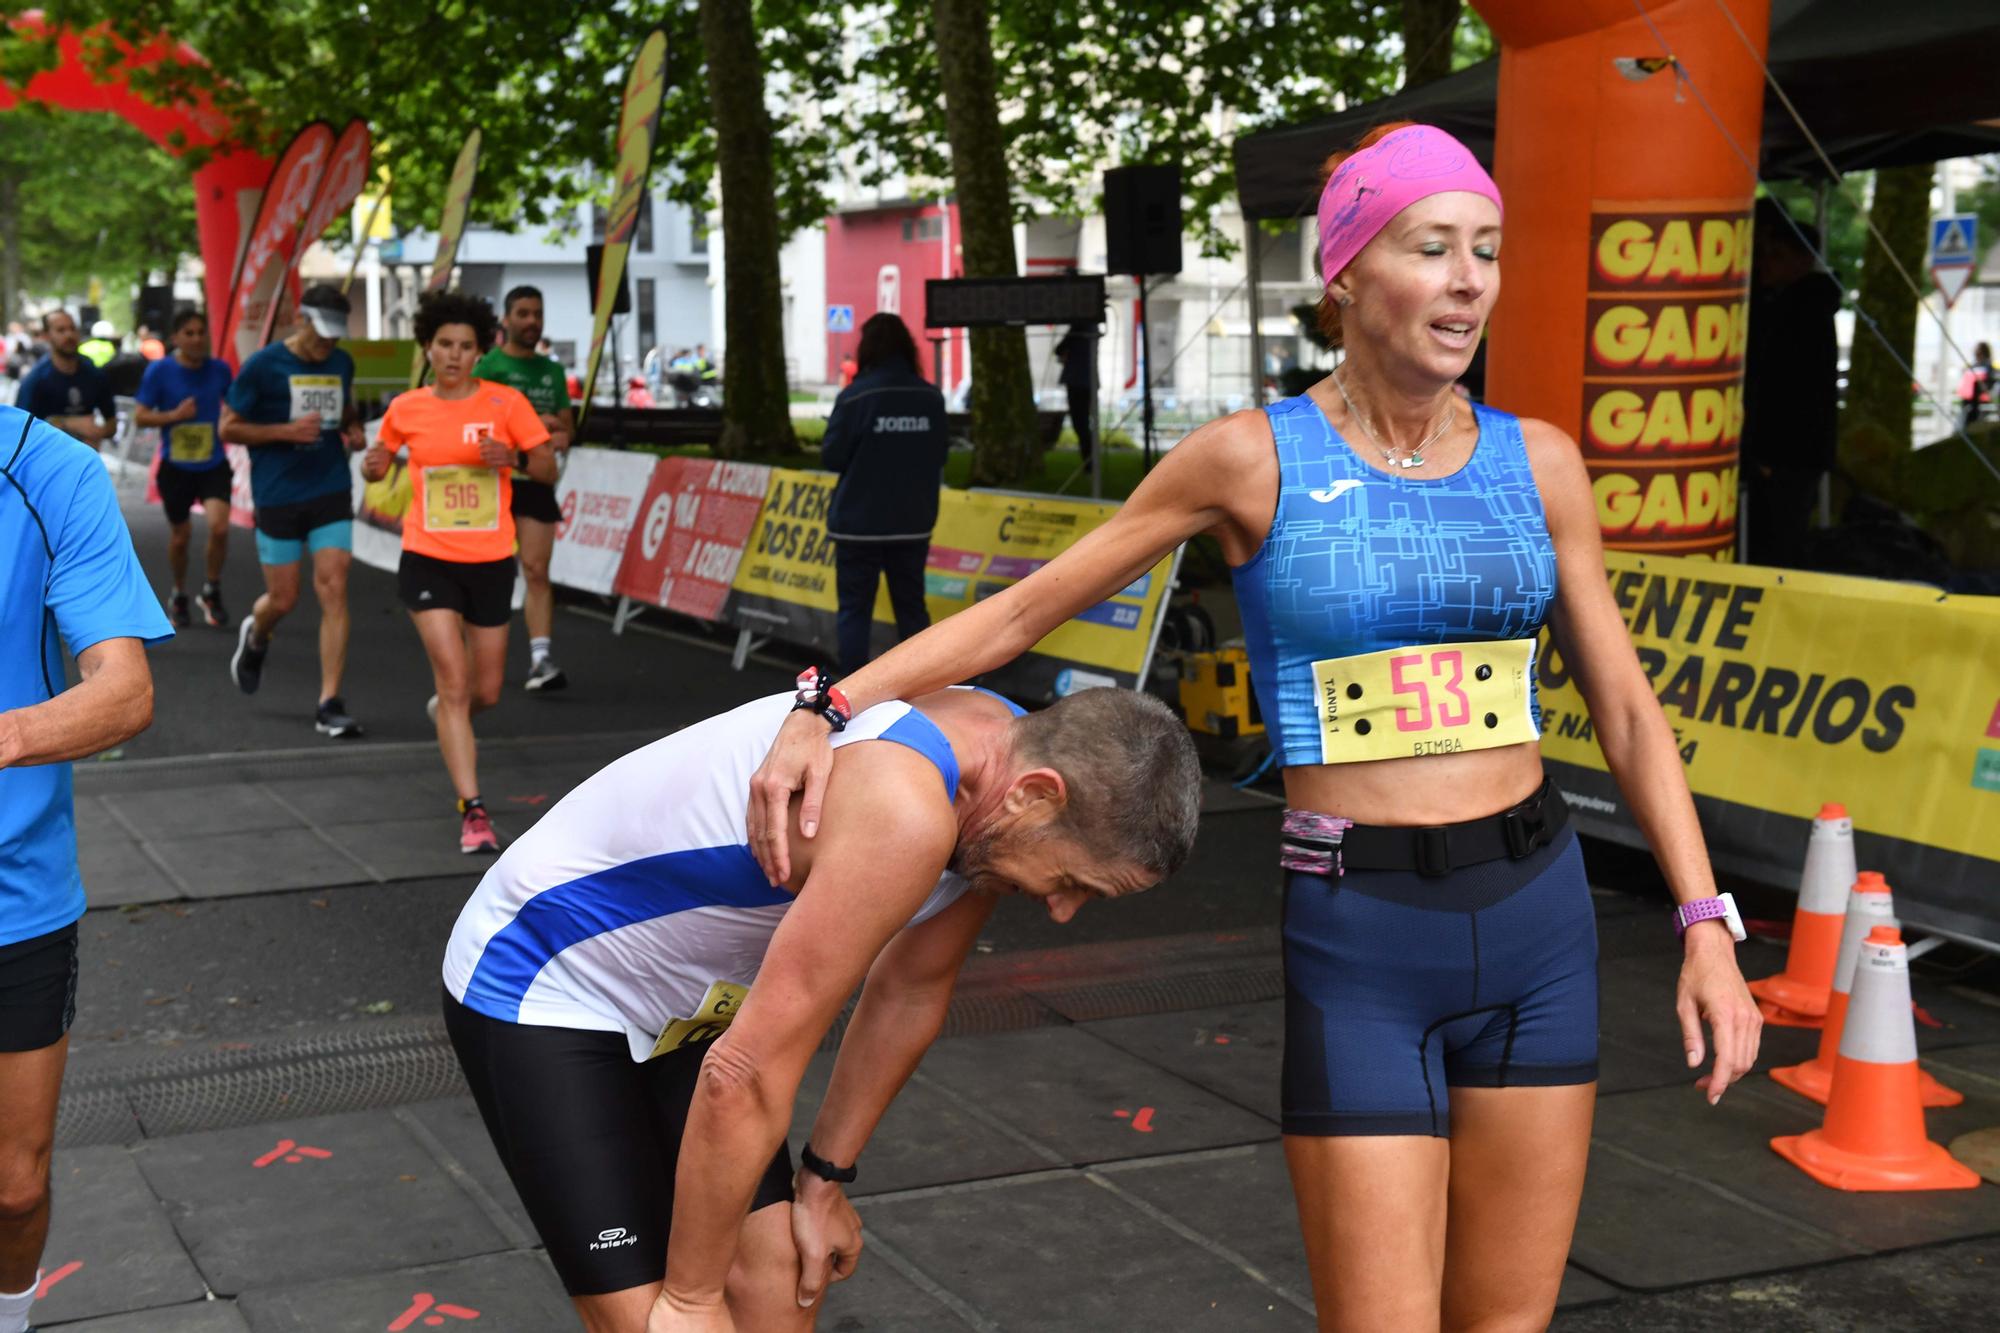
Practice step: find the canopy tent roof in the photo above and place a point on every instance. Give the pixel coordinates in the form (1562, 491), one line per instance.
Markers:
(1879, 84)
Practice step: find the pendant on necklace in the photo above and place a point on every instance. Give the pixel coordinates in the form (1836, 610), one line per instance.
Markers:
(1410, 462)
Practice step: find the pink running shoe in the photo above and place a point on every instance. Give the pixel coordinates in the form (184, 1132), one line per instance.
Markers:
(475, 832)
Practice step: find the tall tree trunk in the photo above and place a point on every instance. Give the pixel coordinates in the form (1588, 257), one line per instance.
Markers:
(1427, 29)
(1006, 433)
(10, 248)
(1878, 389)
(756, 399)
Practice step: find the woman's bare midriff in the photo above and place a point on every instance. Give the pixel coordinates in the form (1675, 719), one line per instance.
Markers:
(1433, 789)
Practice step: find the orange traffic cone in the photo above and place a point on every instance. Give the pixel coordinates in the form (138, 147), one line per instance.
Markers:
(1797, 997)
(1869, 905)
(1873, 1135)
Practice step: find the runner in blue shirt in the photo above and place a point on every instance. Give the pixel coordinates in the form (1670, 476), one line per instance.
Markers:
(292, 406)
(68, 576)
(67, 390)
(181, 395)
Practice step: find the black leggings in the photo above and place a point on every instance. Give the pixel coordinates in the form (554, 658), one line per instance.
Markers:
(590, 1139)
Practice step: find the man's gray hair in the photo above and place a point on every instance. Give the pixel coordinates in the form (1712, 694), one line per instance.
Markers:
(1133, 778)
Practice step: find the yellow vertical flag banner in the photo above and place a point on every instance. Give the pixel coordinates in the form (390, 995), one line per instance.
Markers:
(1787, 690)
(457, 202)
(638, 123)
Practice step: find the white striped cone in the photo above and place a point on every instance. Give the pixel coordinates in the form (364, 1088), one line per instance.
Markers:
(1797, 996)
(1873, 1136)
(1870, 904)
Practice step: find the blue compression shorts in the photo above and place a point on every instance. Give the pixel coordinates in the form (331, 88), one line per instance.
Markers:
(1399, 987)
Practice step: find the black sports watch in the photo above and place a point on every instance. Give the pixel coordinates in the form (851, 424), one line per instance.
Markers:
(825, 1170)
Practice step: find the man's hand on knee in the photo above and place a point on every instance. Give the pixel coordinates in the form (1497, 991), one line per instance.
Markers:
(827, 1231)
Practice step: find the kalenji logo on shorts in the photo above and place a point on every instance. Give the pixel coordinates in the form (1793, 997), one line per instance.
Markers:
(613, 1238)
(897, 425)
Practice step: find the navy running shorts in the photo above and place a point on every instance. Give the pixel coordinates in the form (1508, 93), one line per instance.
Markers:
(1399, 987)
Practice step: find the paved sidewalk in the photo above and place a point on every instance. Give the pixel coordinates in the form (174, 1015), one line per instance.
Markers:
(1098, 1151)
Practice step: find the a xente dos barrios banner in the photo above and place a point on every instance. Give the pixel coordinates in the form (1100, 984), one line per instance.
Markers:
(451, 226)
(1787, 690)
(638, 122)
(984, 541)
(339, 186)
(1663, 374)
(288, 196)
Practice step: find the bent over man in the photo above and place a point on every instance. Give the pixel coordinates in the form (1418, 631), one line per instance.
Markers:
(626, 980)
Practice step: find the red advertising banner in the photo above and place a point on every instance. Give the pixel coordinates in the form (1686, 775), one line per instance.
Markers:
(340, 185)
(1668, 320)
(695, 520)
(288, 196)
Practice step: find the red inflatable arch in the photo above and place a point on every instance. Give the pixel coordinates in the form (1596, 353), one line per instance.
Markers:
(227, 187)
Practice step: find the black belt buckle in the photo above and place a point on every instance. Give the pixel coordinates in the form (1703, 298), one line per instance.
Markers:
(1526, 826)
(1432, 844)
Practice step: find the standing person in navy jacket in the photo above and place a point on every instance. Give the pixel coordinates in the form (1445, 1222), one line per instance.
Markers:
(886, 440)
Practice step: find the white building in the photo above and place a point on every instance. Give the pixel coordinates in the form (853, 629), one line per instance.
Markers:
(666, 276)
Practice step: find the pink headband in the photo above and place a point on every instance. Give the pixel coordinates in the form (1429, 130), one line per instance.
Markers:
(1385, 178)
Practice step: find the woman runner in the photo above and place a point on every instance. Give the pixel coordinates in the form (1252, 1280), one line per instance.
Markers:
(464, 435)
(1395, 555)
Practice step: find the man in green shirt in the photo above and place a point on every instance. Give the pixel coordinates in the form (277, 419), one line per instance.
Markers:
(516, 363)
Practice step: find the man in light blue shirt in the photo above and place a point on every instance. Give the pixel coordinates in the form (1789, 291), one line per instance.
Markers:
(68, 576)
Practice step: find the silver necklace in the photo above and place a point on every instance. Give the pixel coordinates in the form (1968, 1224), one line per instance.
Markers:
(1415, 457)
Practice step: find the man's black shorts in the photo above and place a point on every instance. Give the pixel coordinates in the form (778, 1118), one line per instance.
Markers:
(536, 500)
(482, 590)
(181, 489)
(591, 1139)
(294, 522)
(37, 990)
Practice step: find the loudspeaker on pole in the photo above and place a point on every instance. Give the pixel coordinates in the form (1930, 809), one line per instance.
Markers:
(1142, 219)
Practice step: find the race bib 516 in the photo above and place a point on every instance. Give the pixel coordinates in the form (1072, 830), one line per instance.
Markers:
(717, 1011)
(192, 442)
(461, 499)
(317, 393)
(1417, 701)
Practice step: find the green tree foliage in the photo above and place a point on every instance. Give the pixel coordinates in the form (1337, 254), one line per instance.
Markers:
(1085, 84)
(542, 80)
(84, 195)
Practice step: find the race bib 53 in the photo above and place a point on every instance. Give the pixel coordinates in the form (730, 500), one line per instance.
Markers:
(461, 499)
(1417, 701)
(717, 1011)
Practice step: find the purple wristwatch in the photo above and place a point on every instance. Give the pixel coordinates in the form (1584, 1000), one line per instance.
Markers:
(1721, 908)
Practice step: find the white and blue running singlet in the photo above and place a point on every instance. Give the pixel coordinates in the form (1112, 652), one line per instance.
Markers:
(1360, 560)
(635, 905)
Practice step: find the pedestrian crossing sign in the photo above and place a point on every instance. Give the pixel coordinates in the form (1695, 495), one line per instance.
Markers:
(1951, 238)
(840, 319)
(1954, 250)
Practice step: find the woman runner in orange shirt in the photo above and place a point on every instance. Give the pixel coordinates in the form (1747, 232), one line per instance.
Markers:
(464, 434)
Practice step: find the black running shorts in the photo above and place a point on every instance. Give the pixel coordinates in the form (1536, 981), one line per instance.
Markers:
(536, 500)
(37, 990)
(591, 1140)
(181, 489)
(482, 591)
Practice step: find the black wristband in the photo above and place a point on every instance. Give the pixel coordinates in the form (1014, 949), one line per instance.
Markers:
(825, 1170)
